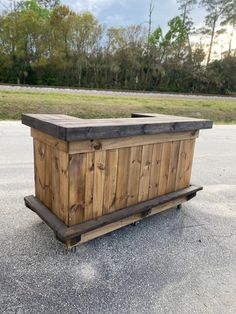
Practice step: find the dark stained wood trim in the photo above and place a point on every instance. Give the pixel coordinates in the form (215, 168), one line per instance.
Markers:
(101, 132)
(65, 233)
(205, 124)
(75, 129)
(44, 126)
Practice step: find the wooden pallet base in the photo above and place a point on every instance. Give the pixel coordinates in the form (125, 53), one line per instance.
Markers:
(81, 233)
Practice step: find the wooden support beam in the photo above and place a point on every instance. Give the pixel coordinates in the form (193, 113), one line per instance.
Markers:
(65, 233)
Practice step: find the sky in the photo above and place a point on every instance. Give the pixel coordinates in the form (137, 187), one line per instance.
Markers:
(125, 12)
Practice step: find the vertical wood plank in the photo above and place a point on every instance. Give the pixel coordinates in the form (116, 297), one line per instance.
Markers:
(48, 177)
(77, 188)
(122, 178)
(185, 163)
(189, 162)
(99, 177)
(55, 182)
(155, 170)
(110, 181)
(134, 174)
(89, 185)
(59, 184)
(145, 172)
(164, 172)
(173, 166)
(64, 186)
(36, 183)
(40, 151)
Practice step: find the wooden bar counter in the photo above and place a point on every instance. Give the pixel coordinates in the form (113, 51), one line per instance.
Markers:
(93, 176)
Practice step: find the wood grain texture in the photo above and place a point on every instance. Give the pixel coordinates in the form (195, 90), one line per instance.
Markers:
(134, 174)
(129, 141)
(145, 172)
(188, 166)
(122, 178)
(174, 156)
(155, 170)
(78, 164)
(99, 178)
(60, 184)
(180, 176)
(39, 168)
(108, 175)
(145, 208)
(48, 196)
(89, 186)
(50, 140)
(73, 129)
(110, 181)
(129, 220)
(64, 185)
(165, 164)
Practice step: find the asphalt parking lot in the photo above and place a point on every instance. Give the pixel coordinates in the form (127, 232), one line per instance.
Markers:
(175, 262)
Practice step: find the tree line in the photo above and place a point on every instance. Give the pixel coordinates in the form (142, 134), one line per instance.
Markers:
(46, 43)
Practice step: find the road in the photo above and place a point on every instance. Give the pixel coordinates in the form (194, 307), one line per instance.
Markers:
(175, 262)
(110, 92)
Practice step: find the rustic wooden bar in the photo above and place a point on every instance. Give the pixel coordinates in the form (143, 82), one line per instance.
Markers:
(93, 176)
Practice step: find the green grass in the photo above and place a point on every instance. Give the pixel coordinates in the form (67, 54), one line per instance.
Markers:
(13, 103)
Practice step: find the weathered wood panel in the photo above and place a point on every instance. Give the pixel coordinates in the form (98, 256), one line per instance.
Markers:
(51, 178)
(188, 167)
(184, 163)
(174, 156)
(77, 164)
(164, 172)
(122, 178)
(145, 208)
(155, 170)
(99, 178)
(50, 140)
(63, 185)
(80, 187)
(73, 129)
(89, 186)
(134, 174)
(39, 168)
(145, 172)
(130, 141)
(129, 220)
(48, 196)
(110, 181)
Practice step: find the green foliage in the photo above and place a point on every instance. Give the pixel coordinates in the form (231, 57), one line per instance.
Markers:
(32, 6)
(177, 33)
(156, 37)
(43, 42)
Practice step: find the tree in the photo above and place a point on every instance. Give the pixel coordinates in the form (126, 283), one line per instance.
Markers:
(43, 42)
(215, 10)
(185, 6)
(229, 18)
(48, 4)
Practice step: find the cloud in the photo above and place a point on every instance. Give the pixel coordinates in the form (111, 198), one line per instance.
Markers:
(94, 6)
(124, 12)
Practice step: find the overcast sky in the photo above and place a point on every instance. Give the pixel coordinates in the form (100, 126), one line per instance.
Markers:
(125, 12)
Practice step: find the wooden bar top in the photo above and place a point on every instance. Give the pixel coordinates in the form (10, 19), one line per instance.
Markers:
(70, 128)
